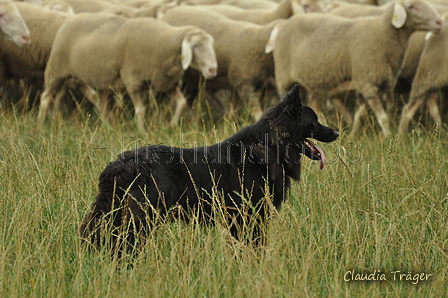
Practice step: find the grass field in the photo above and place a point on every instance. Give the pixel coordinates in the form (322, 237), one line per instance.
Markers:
(379, 206)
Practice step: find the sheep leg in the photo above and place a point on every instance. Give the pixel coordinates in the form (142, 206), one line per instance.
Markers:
(181, 103)
(433, 108)
(91, 96)
(220, 100)
(99, 101)
(139, 107)
(45, 100)
(361, 111)
(256, 111)
(409, 111)
(381, 115)
(3, 74)
(48, 96)
(59, 97)
(253, 98)
(391, 104)
(342, 111)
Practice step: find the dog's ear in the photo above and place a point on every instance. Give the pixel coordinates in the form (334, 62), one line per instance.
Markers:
(282, 116)
(294, 96)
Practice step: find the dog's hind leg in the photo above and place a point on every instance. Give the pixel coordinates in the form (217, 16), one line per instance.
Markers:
(95, 222)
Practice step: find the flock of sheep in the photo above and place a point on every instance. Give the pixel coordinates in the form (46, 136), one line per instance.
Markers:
(246, 46)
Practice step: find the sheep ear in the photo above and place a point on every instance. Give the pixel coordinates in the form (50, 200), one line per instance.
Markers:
(186, 55)
(399, 16)
(270, 44)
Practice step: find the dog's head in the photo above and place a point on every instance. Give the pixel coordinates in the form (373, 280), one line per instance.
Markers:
(293, 123)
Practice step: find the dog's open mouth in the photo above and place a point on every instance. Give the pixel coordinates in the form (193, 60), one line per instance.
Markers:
(313, 152)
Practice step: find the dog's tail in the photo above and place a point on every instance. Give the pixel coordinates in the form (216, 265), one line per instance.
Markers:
(121, 181)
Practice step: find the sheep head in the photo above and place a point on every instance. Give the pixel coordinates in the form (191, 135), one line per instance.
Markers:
(12, 24)
(416, 14)
(199, 53)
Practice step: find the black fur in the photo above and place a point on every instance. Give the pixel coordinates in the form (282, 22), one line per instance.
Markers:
(260, 158)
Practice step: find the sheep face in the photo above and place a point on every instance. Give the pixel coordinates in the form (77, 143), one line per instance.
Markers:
(197, 47)
(12, 24)
(417, 14)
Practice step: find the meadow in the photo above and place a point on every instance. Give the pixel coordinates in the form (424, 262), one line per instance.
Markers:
(377, 211)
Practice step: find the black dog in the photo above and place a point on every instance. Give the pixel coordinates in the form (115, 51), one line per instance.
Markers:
(149, 183)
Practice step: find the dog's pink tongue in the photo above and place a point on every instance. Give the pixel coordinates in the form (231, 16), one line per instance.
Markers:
(321, 153)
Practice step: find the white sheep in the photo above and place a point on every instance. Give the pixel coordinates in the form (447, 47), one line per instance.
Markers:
(415, 48)
(100, 6)
(266, 4)
(29, 62)
(431, 75)
(140, 3)
(154, 9)
(249, 4)
(239, 46)
(415, 44)
(321, 51)
(12, 25)
(416, 41)
(356, 10)
(284, 10)
(103, 50)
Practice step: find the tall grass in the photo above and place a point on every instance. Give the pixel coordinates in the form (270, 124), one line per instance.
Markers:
(380, 204)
